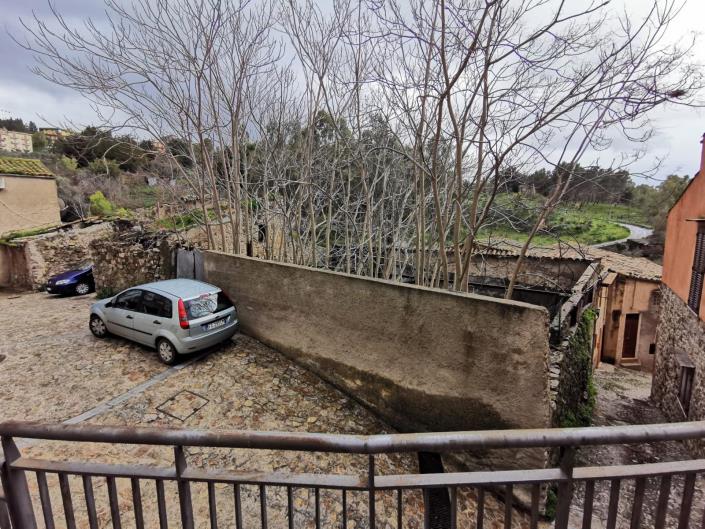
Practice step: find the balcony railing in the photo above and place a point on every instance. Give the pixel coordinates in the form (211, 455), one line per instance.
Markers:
(28, 492)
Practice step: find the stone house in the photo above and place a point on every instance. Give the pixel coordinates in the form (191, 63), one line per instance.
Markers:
(13, 141)
(679, 373)
(624, 289)
(628, 300)
(28, 195)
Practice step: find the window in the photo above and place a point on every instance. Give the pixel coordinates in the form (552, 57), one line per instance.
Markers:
(207, 304)
(685, 390)
(156, 305)
(686, 374)
(697, 278)
(130, 300)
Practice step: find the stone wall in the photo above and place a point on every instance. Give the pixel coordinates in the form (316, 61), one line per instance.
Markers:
(131, 258)
(28, 262)
(423, 359)
(680, 336)
(550, 273)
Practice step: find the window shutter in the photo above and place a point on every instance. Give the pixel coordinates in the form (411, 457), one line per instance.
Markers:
(699, 261)
(698, 276)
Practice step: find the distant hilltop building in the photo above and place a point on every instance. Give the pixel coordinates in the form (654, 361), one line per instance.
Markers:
(52, 134)
(12, 141)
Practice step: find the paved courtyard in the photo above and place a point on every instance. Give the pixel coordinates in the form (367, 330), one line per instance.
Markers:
(52, 369)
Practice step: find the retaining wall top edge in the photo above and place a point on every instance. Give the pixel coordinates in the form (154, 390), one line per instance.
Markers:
(388, 283)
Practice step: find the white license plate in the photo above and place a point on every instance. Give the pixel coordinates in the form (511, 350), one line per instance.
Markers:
(215, 324)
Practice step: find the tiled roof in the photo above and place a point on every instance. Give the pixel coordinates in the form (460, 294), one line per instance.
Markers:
(23, 167)
(509, 248)
(635, 267)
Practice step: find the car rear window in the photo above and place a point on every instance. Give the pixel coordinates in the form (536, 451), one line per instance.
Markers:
(206, 305)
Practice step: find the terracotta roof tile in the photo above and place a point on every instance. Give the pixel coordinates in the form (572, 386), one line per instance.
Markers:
(23, 167)
(636, 267)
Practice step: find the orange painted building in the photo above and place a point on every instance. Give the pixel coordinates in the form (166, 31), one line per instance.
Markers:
(685, 219)
(679, 370)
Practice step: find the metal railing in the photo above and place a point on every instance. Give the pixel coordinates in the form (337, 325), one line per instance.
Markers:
(29, 500)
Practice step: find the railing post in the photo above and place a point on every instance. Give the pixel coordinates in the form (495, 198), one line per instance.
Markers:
(4, 515)
(14, 482)
(371, 487)
(565, 487)
(184, 489)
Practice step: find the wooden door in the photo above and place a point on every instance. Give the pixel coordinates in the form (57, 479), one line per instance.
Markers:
(631, 332)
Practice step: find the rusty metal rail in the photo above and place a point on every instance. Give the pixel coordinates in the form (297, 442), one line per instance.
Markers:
(26, 504)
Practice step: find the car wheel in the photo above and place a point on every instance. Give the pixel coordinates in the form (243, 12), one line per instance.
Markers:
(83, 289)
(166, 352)
(98, 327)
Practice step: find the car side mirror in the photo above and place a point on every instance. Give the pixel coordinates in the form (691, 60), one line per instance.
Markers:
(109, 304)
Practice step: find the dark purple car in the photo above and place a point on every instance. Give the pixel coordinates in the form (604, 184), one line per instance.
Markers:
(78, 282)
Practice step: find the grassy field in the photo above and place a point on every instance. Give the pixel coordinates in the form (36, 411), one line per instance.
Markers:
(573, 223)
(612, 213)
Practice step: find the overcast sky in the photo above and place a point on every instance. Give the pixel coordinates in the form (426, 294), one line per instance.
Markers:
(24, 95)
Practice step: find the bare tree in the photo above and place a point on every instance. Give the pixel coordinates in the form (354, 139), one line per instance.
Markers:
(365, 136)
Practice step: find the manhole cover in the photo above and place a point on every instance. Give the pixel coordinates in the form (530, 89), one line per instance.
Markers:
(182, 405)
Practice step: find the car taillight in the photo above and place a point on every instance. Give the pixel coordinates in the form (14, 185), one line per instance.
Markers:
(183, 317)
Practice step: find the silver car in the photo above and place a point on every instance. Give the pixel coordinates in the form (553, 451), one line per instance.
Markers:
(177, 316)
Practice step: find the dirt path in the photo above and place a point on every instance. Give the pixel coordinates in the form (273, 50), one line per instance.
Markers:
(635, 233)
(623, 398)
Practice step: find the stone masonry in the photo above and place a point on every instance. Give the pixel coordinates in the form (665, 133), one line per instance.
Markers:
(130, 258)
(42, 256)
(680, 336)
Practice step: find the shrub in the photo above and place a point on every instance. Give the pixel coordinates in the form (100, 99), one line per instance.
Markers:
(104, 166)
(39, 141)
(123, 213)
(100, 206)
(68, 163)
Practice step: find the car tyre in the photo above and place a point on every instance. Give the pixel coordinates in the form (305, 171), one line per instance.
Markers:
(82, 289)
(97, 326)
(166, 352)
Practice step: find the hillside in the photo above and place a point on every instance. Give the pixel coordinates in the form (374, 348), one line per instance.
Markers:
(514, 214)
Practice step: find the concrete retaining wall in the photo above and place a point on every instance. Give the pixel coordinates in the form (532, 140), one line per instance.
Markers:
(423, 359)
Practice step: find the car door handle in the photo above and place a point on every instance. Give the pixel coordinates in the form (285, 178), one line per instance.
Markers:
(157, 322)
(128, 317)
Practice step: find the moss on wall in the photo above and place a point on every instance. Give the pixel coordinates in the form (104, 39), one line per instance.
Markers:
(575, 402)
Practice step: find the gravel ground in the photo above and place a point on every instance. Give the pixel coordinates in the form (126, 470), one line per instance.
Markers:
(52, 369)
(623, 398)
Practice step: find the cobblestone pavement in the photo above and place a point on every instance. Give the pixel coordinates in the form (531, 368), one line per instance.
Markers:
(54, 369)
(623, 398)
